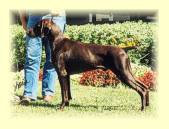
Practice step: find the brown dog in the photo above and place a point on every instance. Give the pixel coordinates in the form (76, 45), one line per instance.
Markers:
(70, 57)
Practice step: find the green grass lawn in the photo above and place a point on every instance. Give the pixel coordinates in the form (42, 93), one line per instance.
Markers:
(90, 101)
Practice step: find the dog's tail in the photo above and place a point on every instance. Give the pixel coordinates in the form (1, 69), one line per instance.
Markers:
(126, 49)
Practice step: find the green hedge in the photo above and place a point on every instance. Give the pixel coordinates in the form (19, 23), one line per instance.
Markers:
(18, 39)
(119, 34)
(17, 47)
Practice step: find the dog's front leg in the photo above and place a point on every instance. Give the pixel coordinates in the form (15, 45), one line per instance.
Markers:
(69, 89)
(61, 65)
(64, 91)
(64, 81)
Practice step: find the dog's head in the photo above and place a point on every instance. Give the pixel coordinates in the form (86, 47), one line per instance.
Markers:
(44, 28)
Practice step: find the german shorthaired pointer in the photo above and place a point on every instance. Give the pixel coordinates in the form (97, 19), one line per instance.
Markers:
(71, 57)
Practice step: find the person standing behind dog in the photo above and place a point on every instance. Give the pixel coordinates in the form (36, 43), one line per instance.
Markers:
(33, 56)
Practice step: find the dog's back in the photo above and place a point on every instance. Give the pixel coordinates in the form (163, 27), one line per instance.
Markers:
(80, 57)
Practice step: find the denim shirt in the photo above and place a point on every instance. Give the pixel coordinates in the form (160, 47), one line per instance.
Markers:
(34, 18)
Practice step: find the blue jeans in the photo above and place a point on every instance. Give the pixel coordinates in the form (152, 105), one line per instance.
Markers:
(33, 59)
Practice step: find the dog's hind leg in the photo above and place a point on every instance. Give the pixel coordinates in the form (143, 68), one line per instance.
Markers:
(142, 85)
(130, 81)
(122, 70)
(147, 91)
(147, 98)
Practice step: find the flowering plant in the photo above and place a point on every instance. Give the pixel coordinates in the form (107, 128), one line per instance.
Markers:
(149, 78)
(99, 77)
(105, 78)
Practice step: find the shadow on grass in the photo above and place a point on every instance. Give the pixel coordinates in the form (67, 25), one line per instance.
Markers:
(104, 107)
(86, 107)
(41, 103)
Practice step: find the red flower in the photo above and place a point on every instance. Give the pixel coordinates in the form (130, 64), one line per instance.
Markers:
(149, 78)
(99, 77)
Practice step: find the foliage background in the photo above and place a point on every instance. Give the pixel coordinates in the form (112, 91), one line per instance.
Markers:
(140, 33)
